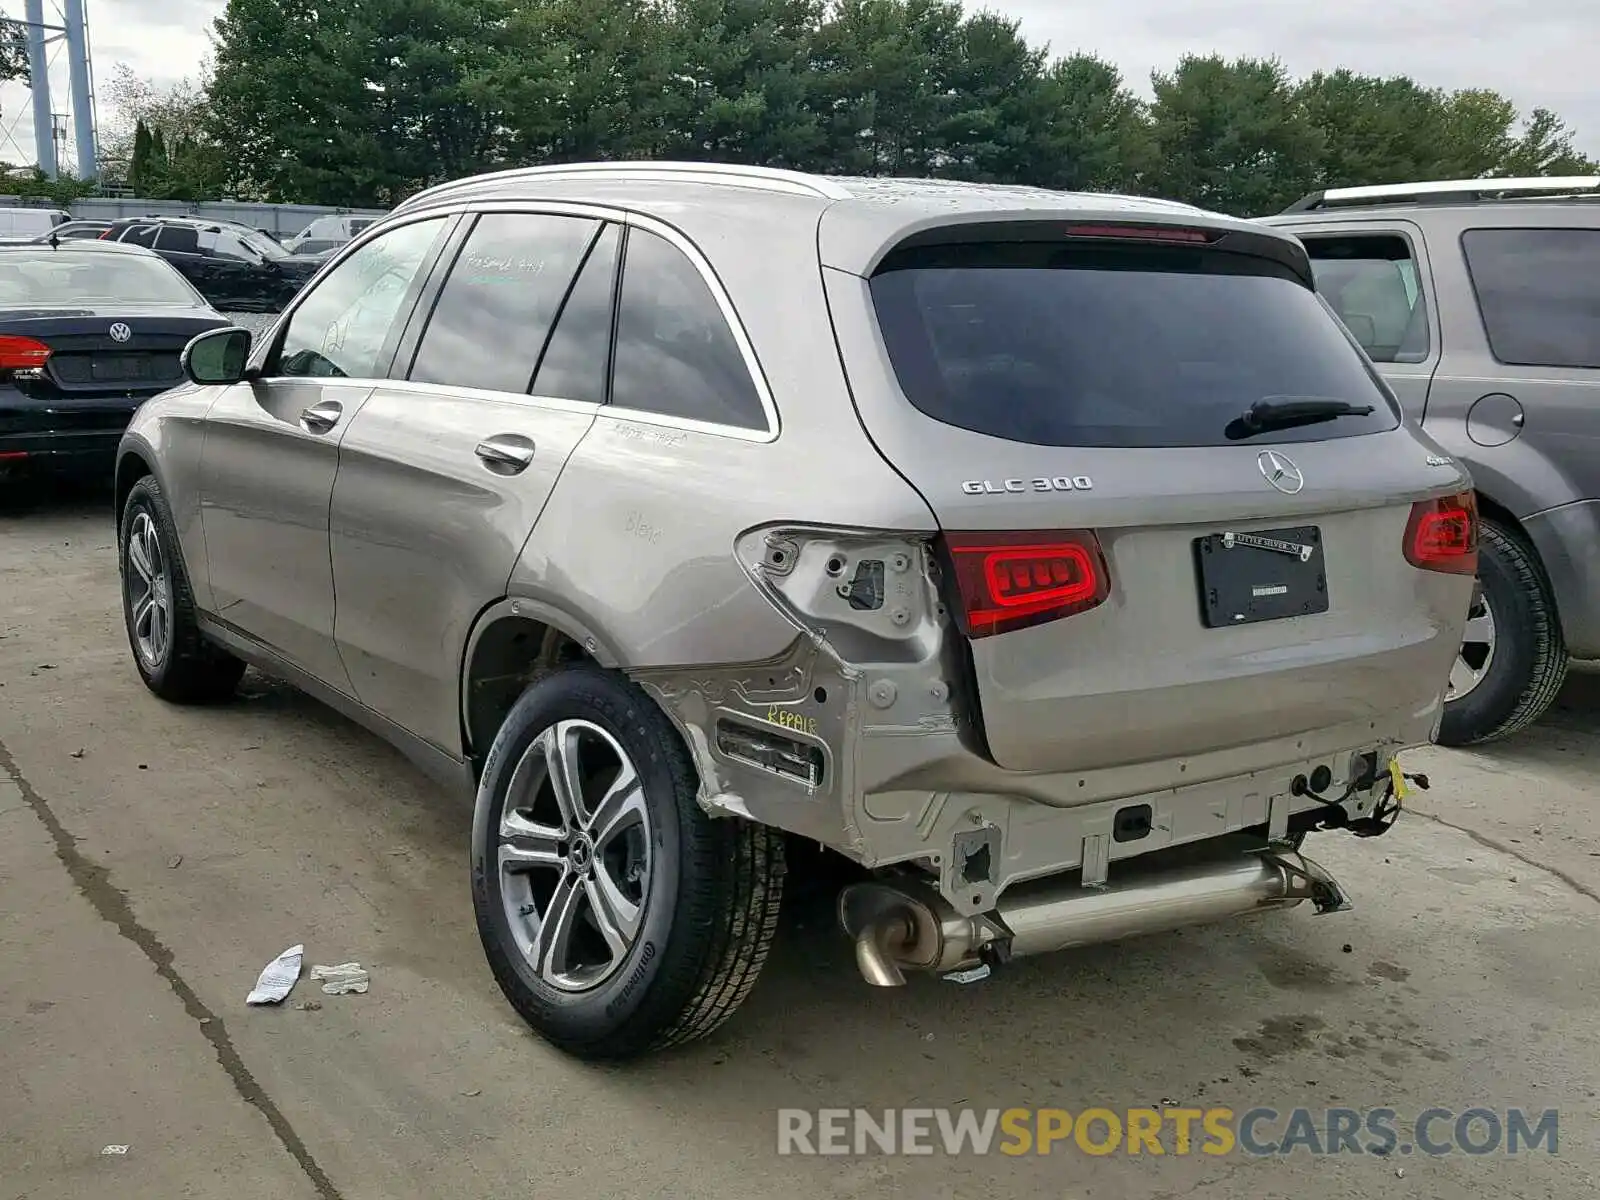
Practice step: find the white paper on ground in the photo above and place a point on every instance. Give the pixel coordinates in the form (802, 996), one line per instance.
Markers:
(278, 978)
(346, 977)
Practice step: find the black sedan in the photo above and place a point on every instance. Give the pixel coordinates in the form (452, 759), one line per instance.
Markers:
(88, 331)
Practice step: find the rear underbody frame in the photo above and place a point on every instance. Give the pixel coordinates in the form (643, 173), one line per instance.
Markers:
(862, 737)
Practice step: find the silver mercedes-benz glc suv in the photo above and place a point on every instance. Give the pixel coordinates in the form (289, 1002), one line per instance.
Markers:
(1058, 559)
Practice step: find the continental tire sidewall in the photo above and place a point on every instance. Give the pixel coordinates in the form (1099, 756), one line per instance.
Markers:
(591, 1018)
(1529, 653)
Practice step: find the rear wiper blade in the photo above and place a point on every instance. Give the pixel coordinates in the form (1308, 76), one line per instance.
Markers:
(1290, 412)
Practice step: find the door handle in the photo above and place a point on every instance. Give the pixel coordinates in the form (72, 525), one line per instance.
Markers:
(505, 453)
(321, 416)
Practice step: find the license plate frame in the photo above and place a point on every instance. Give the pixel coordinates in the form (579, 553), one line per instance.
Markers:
(1246, 578)
(120, 368)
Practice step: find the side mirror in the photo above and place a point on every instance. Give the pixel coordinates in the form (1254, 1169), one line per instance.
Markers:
(217, 356)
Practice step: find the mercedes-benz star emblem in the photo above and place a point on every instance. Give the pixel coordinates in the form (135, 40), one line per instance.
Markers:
(1279, 470)
(120, 332)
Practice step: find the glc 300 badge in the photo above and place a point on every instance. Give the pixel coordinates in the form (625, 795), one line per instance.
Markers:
(1439, 460)
(1055, 483)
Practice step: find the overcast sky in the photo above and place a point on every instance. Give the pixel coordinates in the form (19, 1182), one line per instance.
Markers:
(1538, 52)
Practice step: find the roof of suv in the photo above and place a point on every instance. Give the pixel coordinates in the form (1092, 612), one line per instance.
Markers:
(865, 217)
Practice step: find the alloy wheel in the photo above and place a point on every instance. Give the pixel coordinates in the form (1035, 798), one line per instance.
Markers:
(149, 592)
(574, 855)
(1477, 649)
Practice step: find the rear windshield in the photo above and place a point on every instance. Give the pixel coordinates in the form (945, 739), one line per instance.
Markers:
(52, 278)
(1092, 346)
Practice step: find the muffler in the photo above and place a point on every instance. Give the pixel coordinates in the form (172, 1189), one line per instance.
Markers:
(907, 926)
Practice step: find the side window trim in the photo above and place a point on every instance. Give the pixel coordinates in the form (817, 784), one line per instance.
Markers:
(1427, 291)
(730, 316)
(560, 311)
(431, 281)
(267, 354)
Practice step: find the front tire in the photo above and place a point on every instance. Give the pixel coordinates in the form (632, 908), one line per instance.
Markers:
(1514, 658)
(617, 917)
(172, 656)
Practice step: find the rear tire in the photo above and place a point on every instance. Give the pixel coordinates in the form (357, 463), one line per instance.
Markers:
(1526, 661)
(614, 937)
(174, 659)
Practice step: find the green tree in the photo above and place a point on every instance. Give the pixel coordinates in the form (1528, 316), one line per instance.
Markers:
(1095, 135)
(580, 80)
(355, 103)
(1231, 136)
(884, 89)
(1545, 148)
(139, 162)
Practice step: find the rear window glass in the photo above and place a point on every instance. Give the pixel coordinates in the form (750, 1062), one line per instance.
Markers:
(1089, 346)
(55, 277)
(1539, 292)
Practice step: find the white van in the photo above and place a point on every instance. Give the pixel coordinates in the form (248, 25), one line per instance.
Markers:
(19, 224)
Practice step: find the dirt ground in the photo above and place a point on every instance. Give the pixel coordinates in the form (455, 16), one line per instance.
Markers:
(152, 859)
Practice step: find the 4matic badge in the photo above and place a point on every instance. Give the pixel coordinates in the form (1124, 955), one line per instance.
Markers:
(1054, 483)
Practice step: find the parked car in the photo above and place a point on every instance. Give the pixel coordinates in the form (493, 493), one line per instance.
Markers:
(1060, 559)
(18, 223)
(235, 267)
(74, 229)
(328, 233)
(1479, 301)
(88, 330)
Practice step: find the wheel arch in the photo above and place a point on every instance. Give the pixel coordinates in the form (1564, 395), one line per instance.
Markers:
(512, 641)
(135, 460)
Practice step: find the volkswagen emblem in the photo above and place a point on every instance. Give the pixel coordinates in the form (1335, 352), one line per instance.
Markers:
(120, 332)
(1279, 470)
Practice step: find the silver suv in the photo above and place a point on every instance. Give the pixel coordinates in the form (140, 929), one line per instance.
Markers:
(1058, 559)
(1479, 301)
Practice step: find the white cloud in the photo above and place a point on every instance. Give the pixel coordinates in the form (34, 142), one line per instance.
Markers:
(1539, 54)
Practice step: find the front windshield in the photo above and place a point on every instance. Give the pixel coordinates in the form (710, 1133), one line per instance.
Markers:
(66, 278)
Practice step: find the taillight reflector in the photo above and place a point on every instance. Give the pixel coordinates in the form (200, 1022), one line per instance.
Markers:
(1010, 581)
(1142, 233)
(21, 353)
(1442, 535)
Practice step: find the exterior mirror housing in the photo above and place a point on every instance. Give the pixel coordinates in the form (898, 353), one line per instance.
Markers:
(217, 356)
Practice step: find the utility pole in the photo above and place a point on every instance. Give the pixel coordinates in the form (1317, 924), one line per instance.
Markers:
(77, 30)
(44, 140)
(37, 35)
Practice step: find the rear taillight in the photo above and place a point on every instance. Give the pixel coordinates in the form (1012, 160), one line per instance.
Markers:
(1010, 581)
(22, 353)
(1442, 535)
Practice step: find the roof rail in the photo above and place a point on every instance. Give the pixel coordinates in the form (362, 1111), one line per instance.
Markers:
(770, 178)
(1449, 191)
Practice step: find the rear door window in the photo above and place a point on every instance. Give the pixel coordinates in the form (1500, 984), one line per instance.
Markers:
(495, 311)
(1087, 346)
(1372, 282)
(577, 362)
(1539, 293)
(140, 235)
(676, 354)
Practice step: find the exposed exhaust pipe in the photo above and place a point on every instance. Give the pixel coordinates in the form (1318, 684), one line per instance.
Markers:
(899, 927)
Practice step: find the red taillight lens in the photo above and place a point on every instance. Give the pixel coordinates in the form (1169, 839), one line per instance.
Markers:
(1442, 535)
(1013, 580)
(21, 353)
